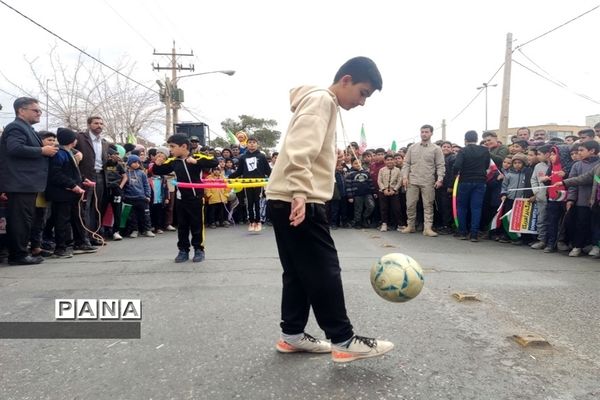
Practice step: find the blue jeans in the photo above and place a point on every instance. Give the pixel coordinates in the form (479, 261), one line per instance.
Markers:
(470, 198)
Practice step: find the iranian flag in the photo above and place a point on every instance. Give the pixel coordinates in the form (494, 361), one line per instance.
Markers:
(363, 140)
(497, 220)
(491, 171)
(506, 225)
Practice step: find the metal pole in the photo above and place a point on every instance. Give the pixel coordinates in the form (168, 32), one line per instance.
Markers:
(175, 105)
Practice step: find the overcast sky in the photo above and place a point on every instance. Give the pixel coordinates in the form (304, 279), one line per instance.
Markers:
(432, 56)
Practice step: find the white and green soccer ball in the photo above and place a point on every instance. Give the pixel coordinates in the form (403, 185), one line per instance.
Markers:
(397, 277)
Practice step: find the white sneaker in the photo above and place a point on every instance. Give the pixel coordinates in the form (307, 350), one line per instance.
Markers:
(257, 227)
(594, 252)
(116, 236)
(307, 344)
(576, 252)
(360, 347)
(133, 234)
(148, 234)
(171, 228)
(251, 227)
(383, 227)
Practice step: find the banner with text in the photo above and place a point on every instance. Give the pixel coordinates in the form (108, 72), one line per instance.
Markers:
(524, 217)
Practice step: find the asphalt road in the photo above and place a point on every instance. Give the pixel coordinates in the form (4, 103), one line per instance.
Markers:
(209, 329)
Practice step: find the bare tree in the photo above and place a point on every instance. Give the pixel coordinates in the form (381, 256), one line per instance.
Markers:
(83, 88)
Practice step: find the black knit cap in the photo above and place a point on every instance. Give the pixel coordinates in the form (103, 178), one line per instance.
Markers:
(65, 136)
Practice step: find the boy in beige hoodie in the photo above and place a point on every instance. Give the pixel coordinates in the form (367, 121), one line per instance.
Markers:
(300, 184)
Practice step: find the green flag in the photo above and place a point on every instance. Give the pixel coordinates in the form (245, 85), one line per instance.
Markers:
(394, 146)
(131, 138)
(231, 137)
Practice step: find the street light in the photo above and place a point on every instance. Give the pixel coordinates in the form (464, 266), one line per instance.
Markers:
(178, 93)
(485, 86)
(225, 71)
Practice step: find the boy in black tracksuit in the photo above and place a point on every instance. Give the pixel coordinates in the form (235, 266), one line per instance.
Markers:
(189, 202)
(253, 164)
(116, 177)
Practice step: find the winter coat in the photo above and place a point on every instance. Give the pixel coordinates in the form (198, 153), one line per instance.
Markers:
(64, 174)
(581, 194)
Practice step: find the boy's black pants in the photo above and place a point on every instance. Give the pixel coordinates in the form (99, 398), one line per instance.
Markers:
(67, 216)
(253, 197)
(190, 218)
(311, 273)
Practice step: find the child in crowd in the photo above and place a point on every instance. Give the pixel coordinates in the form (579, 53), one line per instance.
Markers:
(253, 164)
(557, 194)
(116, 178)
(137, 193)
(64, 190)
(160, 199)
(217, 201)
(578, 198)
(360, 190)
(229, 168)
(389, 182)
(189, 207)
(514, 179)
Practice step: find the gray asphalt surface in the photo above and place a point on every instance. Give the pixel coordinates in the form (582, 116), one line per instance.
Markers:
(209, 329)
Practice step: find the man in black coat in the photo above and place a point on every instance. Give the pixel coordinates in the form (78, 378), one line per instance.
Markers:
(95, 153)
(23, 173)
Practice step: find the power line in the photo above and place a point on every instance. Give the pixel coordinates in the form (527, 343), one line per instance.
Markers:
(129, 25)
(77, 48)
(558, 27)
(557, 83)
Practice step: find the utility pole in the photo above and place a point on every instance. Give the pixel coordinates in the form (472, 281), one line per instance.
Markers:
(444, 130)
(503, 131)
(169, 93)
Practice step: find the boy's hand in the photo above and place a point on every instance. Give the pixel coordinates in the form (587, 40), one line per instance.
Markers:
(78, 156)
(191, 160)
(160, 159)
(569, 204)
(544, 179)
(503, 197)
(147, 199)
(298, 211)
(438, 185)
(500, 177)
(560, 173)
(531, 199)
(405, 182)
(351, 200)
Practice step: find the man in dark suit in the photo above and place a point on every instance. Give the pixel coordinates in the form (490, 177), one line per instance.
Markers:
(95, 152)
(23, 173)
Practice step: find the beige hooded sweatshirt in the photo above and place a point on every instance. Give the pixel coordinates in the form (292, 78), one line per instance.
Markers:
(305, 166)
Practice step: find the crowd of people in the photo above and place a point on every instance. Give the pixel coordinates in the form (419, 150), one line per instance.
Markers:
(413, 189)
(73, 191)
